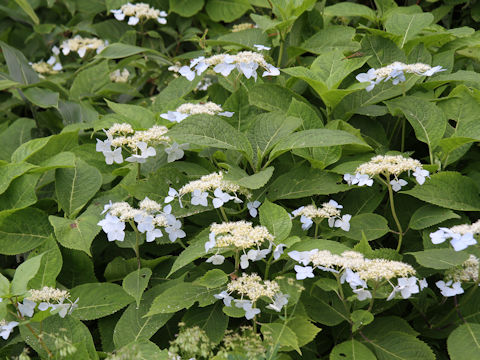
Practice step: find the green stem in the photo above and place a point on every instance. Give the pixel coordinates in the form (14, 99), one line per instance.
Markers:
(316, 230)
(237, 260)
(372, 300)
(224, 215)
(267, 267)
(394, 214)
(280, 52)
(402, 145)
(137, 244)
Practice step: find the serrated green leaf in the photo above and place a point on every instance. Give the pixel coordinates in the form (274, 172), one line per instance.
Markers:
(406, 26)
(464, 342)
(440, 259)
(255, 181)
(50, 265)
(17, 64)
(276, 219)
(195, 250)
(333, 37)
(280, 335)
(24, 273)
(351, 350)
(400, 346)
(430, 215)
(136, 282)
(226, 10)
(186, 8)
(211, 319)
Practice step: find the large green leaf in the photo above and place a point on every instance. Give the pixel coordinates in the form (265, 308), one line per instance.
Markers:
(280, 335)
(464, 342)
(430, 215)
(24, 273)
(9, 172)
(20, 194)
(17, 64)
(136, 282)
(211, 319)
(50, 265)
(24, 4)
(315, 138)
(350, 9)
(43, 98)
(97, 300)
(351, 350)
(427, 119)
(23, 230)
(440, 259)
(333, 37)
(276, 219)
(303, 182)
(76, 186)
(372, 226)
(15, 135)
(406, 26)
(400, 346)
(134, 113)
(272, 97)
(211, 131)
(255, 181)
(226, 10)
(195, 250)
(186, 8)
(88, 81)
(450, 190)
(382, 51)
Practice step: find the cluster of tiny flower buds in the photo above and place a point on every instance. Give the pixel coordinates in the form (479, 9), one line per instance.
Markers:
(461, 235)
(246, 62)
(185, 110)
(241, 235)
(243, 26)
(139, 12)
(190, 343)
(467, 272)
(252, 287)
(47, 68)
(245, 342)
(118, 76)
(81, 45)
(396, 72)
(356, 270)
(149, 217)
(48, 298)
(310, 214)
(200, 189)
(137, 144)
(387, 165)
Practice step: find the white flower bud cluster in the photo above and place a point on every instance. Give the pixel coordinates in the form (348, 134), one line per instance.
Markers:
(396, 72)
(212, 182)
(356, 270)
(139, 11)
(137, 144)
(81, 45)
(247, 342)
(185, 110)
(120, 76)
(310, 213)
(253, 287)
(242, 26)
(149, 217)
(468, 271)
(246, 62)
(191, 342)
(461, 236)
(48, 298)
(240, 234)
(387, 165)
(44, 68)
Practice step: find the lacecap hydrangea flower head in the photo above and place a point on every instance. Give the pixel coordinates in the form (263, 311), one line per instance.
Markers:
(385, 166)
(329, 210)
(81, 45)
(139, 12)
(185, 110)
(246, 62)
(396, 72)
(461, 236)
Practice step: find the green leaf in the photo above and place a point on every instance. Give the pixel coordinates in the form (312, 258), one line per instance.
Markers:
(142, 350)
(211, 131)
(134, 113)
(440, 259)
(373, 226)
(464, 342)
(406, 26)
(450, 190)
(23, 230)
(136, 282)
(324, 307)
(24, 273)
(186, 8)
(303, 329)
(303, 182)
(50, 265)
(272, 97)
(43, 98)
(17, 64)
(195, 250)
(15, 135)
(55, 327)
(28, 10)
(382, 51)
(119, 50)
(333, 37)
(350, 9)
(226, 10)
(351, 350)
(315, 138)
(134, 326)
(397, 345)
(280, 335)
(97, 300)
(212, 279)
(427, 119)
(255, 181)
(360, 318)
(182, 296)
(429, 215)
(9, 172)
(211, 319)
(244, 39)
(89, 80)
(76, 186)
(276, 219)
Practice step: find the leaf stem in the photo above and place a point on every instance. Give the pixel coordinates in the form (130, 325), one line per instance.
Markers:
(394, 214)
(224, 215)
(137, 244)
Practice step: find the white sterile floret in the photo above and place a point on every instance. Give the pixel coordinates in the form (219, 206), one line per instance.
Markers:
(145, 152)
(398, 184)
(174, 231)
(113, 227)
(358, 179)
(449, 288)
(246, 62)
(199, 197)
(279, 301)
(27, 308)
(216, 259)
(303, 272)
(139, 12)
(220, 198)
(278, 251)
(396, 72)
(249, 311)
(6, 328)
(81, 45)
(344, 222)
(225, 296)
(406, 287)
(252, 208)
(175, 151)
(211, 243)
(261, 47)
(461, 236)
(120, 76)
(362, 293)
(310, 213)
(185, 110)
(420, 175)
